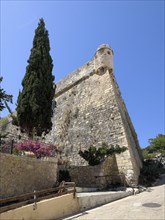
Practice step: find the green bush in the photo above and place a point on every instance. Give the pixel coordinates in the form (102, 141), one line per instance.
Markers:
(156, 146)
(150, 172)
(95, 156)
(3, 122)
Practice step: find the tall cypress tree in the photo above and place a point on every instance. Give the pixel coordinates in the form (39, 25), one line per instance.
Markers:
(34, 104)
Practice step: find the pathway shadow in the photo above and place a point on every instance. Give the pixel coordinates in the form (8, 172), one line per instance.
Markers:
(77, 215)
(160, 181)
(149, 189)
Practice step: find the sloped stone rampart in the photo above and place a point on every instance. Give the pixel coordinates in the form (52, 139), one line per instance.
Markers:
(90, 110)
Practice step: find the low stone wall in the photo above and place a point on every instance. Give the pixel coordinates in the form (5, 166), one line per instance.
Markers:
(21, 175)
(66, 205)
(99, 176)
(95, 199)
(53, 208)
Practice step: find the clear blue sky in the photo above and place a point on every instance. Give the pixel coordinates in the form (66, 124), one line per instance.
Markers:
(134, 29)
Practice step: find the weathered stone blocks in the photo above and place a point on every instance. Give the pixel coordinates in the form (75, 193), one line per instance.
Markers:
(20, 175)
(90, 110)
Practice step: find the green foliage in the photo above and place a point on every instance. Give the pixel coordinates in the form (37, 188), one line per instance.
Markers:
(152, 168)
(16, 152)
(4, 97)
(146, 154)
(157, 145)
(95, 156)
(64, 176)
(3, 122)
(15, 120)
(150, 172)
(34, 104)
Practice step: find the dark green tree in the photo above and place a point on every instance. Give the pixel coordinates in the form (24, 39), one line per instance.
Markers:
(156, 145)
(34, 104)
(4, 98)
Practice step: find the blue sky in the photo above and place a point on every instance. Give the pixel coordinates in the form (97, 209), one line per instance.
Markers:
(134, 29)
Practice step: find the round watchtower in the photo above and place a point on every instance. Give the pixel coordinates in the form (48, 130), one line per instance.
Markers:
(103, 58)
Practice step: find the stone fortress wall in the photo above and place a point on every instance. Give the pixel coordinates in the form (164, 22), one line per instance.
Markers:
(90, 110)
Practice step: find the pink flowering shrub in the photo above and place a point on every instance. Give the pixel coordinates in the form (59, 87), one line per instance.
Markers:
(39, 149)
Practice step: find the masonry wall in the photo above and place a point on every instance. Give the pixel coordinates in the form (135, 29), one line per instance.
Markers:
(100, 176)
(90, 111)
(19, 175)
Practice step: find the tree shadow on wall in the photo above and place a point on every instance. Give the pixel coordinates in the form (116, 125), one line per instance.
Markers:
(112, 178)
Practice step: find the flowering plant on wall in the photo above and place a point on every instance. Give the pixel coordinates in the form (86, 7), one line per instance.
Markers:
(39, 149)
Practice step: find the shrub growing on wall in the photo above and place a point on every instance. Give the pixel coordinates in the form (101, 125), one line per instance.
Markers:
(95, 156)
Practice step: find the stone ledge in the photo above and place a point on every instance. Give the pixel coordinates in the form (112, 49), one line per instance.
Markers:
(94, 199)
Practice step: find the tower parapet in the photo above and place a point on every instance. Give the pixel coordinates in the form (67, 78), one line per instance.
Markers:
(103, 58)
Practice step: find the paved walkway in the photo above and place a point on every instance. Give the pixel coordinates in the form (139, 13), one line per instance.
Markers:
(144, 206)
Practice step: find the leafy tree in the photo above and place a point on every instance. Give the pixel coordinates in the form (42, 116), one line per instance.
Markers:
(34, 104)
(4, 97)
(156, 145)
(95, 156)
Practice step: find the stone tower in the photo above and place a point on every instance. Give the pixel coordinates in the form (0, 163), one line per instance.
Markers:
(90, 110)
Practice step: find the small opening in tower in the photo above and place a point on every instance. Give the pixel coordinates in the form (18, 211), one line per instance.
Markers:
(109, 52)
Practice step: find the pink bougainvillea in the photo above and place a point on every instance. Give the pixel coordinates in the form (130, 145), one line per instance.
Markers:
(38, 148)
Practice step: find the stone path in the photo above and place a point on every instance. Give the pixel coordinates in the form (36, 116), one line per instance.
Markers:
(144, 206)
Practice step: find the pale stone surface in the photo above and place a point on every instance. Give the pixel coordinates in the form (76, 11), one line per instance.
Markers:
(53, 208)
(94, 199)
(144, 206)
(100, 176)
(21, 175)
(90, 110)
